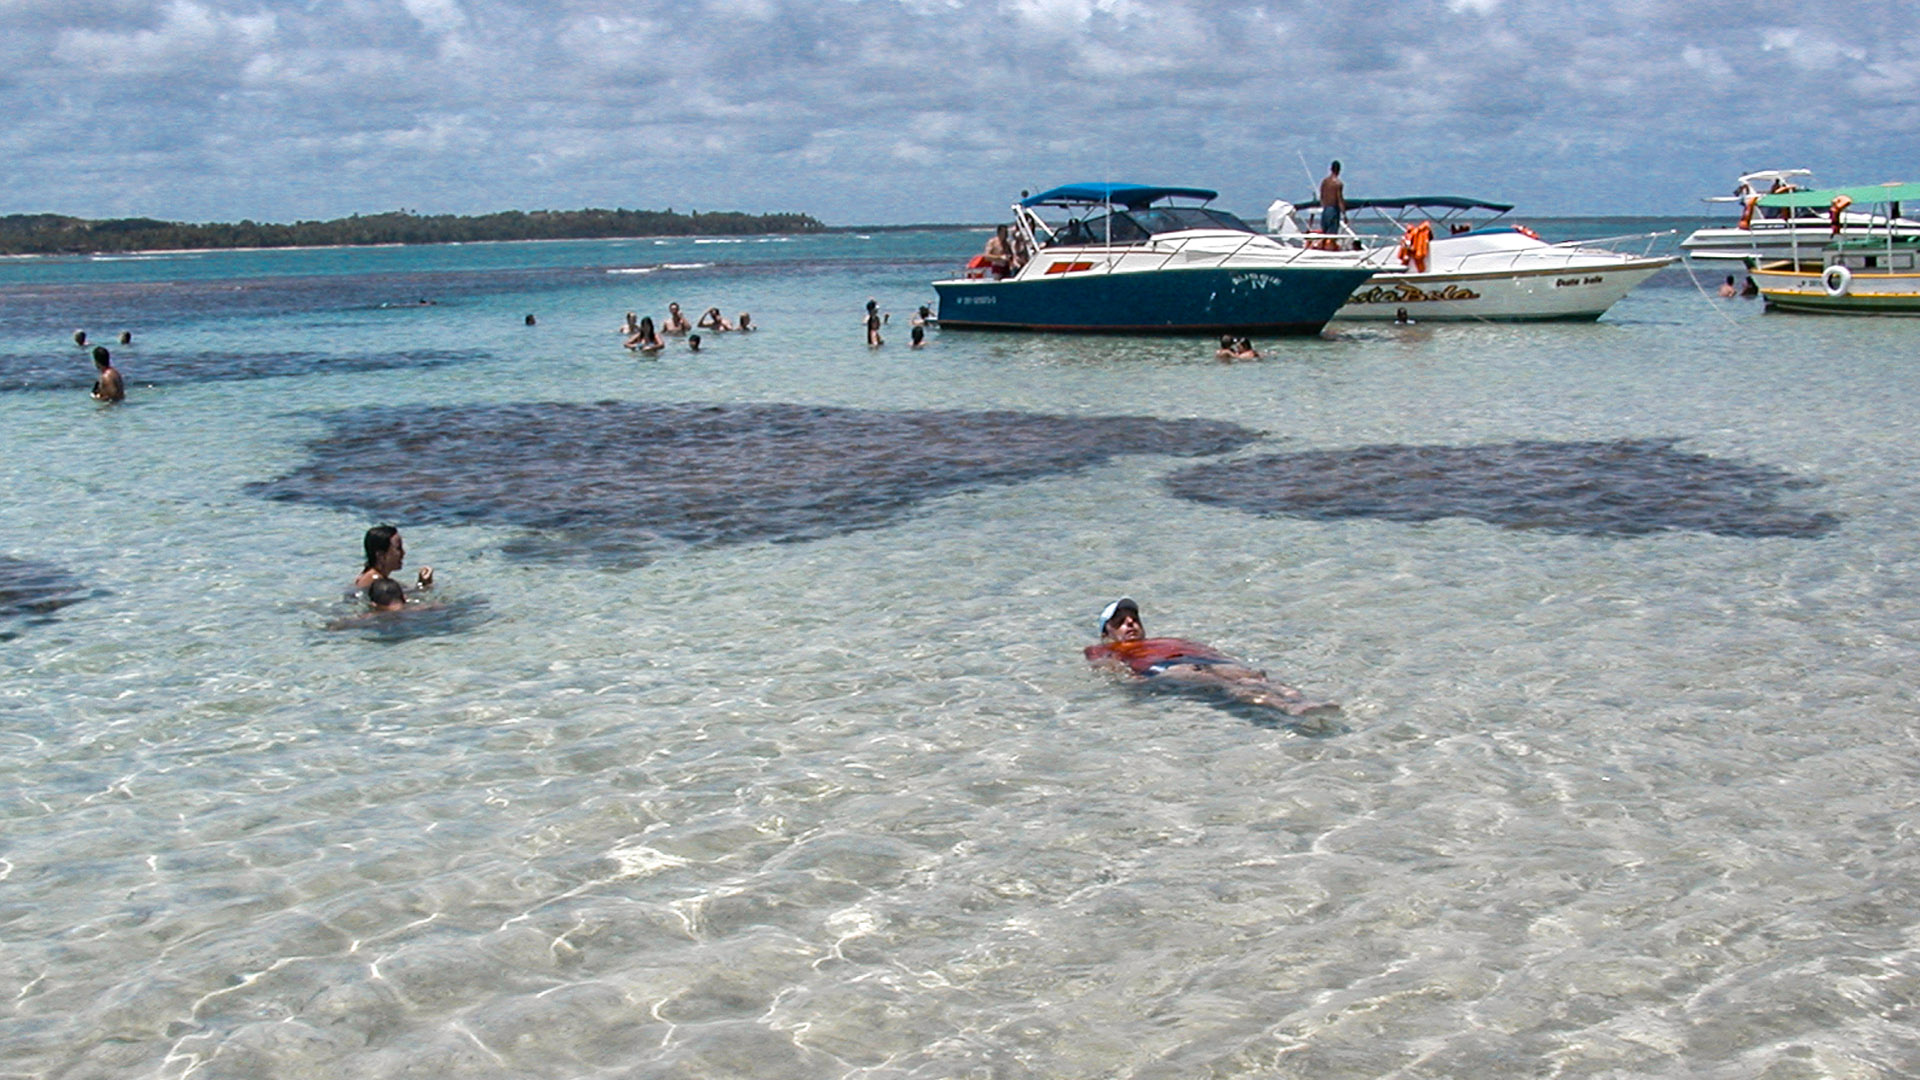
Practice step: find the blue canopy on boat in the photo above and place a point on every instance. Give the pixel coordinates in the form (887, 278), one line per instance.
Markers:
(1438, 202)
(1131, 196)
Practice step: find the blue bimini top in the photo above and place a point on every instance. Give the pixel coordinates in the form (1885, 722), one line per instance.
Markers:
(1131, 196)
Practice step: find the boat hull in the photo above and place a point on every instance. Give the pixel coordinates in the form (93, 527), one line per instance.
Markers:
(1236, 299)
(1804, 289)
(1566, 293)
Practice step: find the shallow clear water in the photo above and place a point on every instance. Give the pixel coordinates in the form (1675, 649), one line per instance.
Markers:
(812, 799)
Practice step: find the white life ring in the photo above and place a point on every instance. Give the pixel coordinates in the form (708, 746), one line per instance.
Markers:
(1837, 279)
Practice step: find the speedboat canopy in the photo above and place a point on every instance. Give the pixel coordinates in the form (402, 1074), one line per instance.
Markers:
(1131, 196)
(1437, 202)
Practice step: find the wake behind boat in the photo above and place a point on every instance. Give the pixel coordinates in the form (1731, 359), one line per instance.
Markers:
(1126, 259)
(1437, 259)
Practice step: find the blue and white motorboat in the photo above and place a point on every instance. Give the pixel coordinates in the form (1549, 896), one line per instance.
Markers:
(1126, 258)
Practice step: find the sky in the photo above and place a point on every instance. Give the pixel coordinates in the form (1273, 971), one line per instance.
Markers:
(909, 111)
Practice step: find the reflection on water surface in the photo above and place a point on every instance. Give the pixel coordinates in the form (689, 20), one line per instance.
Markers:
(616, 482)
(1626, 488)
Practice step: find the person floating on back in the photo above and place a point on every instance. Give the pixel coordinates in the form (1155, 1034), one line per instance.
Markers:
(1126, 650)
(107, 383)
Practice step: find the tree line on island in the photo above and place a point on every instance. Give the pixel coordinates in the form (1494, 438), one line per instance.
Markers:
(55, 234)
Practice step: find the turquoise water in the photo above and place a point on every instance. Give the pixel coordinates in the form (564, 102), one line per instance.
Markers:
(754, 738)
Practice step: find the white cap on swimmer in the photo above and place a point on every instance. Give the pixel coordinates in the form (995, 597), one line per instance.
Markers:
(1115, 608)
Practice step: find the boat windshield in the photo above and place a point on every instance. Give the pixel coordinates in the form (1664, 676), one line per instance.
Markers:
(1139, 226)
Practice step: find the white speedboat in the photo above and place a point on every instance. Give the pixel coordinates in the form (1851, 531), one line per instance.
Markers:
(1846, 271)
(1446, 257)
(1767, 232)
(1127, 259)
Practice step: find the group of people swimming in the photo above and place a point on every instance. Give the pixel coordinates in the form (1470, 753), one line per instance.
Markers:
(873, 319)
(1233, 348)
(640, 335)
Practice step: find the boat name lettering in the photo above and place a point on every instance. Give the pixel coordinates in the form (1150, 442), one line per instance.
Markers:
(975, 299)
(1406, 292)
(1590, 279)
(1255, 280)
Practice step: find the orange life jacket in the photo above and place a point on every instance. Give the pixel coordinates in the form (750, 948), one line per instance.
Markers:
(1414, 246)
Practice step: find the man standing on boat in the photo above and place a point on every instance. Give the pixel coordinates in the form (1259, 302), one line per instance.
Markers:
(1333, 200)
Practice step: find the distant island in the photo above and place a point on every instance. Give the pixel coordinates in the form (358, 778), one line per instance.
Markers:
(55, 234)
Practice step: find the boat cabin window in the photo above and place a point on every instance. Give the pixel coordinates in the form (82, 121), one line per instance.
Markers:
(1900, 262)
(1095, 230)
(1166, 219)
(1140, 226)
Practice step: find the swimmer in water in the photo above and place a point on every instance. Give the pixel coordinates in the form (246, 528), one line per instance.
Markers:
(1126, 650)
(644, 339)
(746, 322)
(386, 554)
(676, 323)
(385, 594)
(107, 383)
(715, 321)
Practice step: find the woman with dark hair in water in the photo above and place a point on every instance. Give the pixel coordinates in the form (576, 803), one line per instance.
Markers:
(386, 553)
(645, 340)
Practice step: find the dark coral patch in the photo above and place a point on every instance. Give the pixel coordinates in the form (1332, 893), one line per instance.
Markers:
(617, 482)
(1626, 488)
(32, 592)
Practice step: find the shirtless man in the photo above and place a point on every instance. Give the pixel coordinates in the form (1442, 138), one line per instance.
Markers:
(999, 252)
(386, 554)
(107, 384)
(1125, 649)
(1333, 199)
(676, 323)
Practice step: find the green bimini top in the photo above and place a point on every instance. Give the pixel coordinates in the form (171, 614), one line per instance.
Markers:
(1874, 193)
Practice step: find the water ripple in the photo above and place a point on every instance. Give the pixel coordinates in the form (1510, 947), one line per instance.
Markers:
(1629, 487)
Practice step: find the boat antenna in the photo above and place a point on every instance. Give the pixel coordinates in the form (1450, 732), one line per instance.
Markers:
(1305, 168)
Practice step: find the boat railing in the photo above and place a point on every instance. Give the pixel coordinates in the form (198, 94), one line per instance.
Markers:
(1511, 258)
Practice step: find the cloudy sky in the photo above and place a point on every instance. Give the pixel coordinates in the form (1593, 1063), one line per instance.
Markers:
(896, 111)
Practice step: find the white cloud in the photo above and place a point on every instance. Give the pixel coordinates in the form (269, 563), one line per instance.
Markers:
(927, 109)
(437, 16)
